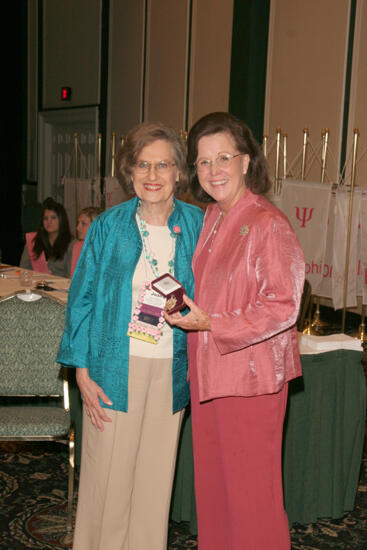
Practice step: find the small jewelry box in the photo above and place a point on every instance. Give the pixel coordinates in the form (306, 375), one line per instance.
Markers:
(172, 290)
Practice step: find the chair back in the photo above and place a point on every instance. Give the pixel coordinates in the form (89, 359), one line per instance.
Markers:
(30, 334)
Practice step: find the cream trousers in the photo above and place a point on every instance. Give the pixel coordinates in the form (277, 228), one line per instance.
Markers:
(127, 470)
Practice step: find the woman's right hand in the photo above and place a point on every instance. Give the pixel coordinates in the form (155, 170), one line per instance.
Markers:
(91, 394)
(196, 319)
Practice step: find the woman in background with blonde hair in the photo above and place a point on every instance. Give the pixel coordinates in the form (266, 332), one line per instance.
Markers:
(85, 218)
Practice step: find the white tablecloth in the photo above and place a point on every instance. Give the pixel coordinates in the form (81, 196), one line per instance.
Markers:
(10, 284)
(309, 344)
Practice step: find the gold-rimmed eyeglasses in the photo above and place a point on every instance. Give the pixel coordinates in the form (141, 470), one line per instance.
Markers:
(222, 160)
(161, 167)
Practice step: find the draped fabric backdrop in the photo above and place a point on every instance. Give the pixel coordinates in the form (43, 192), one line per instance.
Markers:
(78, 194)
(114, 194)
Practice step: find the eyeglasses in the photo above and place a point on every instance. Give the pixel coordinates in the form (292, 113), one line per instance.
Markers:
(223, 160)
(161, 167)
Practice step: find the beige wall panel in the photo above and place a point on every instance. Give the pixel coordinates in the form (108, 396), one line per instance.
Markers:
(126, 47)
(306, 74)
(166, 62)
(210, 57)
(71, 51)
(358, 104)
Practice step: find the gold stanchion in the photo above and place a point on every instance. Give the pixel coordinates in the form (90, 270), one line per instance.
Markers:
(75, 156)
(99, 163)
(277, 159)
(312, 326)
(350, 213)
(308, 327)
(304, 152)
(183, 136)
(284, 156)
(265, 145)
(122, 140)
(317, 324)
(362, 328)
(76, 172)
(325, 140)
(99, 155)
(113, 154)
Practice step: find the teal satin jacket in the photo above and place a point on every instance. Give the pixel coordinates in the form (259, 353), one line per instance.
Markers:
(99, 304)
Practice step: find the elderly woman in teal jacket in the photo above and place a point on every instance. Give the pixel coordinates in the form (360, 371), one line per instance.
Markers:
(130, 365)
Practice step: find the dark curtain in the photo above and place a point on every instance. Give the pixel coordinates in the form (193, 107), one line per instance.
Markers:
(248, 62)
(14, 125)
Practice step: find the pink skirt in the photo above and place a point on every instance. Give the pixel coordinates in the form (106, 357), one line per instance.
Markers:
(238, 474)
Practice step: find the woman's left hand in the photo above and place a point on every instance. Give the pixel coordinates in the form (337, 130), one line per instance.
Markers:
(197, 319)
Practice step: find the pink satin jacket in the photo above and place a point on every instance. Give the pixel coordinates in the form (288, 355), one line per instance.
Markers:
(251, 285)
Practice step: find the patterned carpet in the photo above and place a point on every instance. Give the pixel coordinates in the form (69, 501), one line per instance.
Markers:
(33, 507)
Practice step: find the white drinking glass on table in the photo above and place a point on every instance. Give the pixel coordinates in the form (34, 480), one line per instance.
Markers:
(26, 280)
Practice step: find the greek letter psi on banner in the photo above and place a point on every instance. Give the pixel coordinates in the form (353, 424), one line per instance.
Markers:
(306, 205)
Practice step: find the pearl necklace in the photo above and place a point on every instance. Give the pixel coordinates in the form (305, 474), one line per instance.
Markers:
(148, 252)
(212, 233)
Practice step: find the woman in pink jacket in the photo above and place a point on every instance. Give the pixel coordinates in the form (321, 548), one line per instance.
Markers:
(249, 275)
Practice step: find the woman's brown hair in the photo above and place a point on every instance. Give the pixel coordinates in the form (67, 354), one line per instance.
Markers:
(257, 177)
(41, 242)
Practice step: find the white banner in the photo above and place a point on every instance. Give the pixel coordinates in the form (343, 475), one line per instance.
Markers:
(114, 194)
(325, 289)
(306, 204)
(340, 248)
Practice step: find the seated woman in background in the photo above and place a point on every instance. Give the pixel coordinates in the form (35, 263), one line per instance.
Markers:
(49, 249)
(85, 218)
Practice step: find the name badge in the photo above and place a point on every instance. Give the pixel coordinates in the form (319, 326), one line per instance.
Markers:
(147, 320)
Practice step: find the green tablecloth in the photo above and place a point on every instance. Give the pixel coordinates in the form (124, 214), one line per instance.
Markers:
(323, 442)
(324, 435)
(183, 507)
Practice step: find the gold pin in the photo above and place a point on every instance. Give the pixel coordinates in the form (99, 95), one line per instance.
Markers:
(170, 304)
(244, 230)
